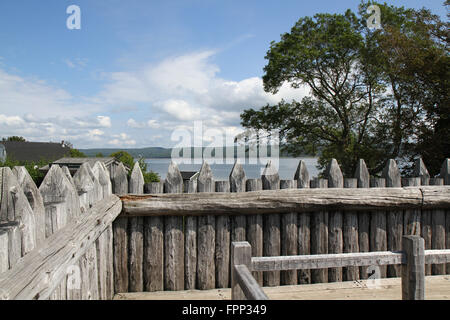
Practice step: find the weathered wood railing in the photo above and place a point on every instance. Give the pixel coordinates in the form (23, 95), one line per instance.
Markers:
(412, 259)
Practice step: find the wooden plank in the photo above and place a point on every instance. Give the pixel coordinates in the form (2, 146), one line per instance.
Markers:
(237, 184)
(289, 236)
(248, 284)
(4, 254)
(12, 246)
(101, 244)
(335, 220)
(154, 247)
(240, 255)
(319, 261)
(394, 217)
(136, 236)
(255, 228)
(350, 235)
(319, 234)
(173, 236)
(37, 275)
(363, 178)
(222, 257)
(190, 241)
(413, 272)
(288, 200)
(437, 256)
(378, 228)
(120, 245)
(271, 224)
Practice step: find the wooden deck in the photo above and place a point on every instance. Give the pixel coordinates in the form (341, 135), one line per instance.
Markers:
(436, 288)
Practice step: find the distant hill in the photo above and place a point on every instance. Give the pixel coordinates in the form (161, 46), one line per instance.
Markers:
(157, 152)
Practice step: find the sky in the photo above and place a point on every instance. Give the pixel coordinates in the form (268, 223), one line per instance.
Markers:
(139, 72)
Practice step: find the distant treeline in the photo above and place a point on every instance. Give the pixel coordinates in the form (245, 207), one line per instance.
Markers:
(158, 152)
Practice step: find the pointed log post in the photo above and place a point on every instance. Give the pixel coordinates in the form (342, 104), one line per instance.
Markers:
(445, 175)
(438, 224)
(120, 180)
(69, 177)
(61, 200)
(85, 187)
(102, 174)
(304, 233)
(272, 241)
(10, 245)
(395, 217)
(319, 235)
(363, 178)
(289, 236)
(136, 233)
(206, 235)
(255, 229)
(35, 200)
(421, 171)
(190, 242)
(237, 184)
(445, 171)
(223, 243)
(411, 218)
(173, 236)
(154, 246)
(240, 254)
(335, 220)
(350, 235)
(378, 226)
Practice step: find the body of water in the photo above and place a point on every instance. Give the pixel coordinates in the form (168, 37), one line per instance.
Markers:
(287, 168)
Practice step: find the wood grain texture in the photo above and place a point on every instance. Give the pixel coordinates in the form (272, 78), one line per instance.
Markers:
(240, 255)
(363, 178)
(222, 255)
(190, 242)
(413, 271)
(120, 180)
(120, 245)
(438, 238)
(350, 235)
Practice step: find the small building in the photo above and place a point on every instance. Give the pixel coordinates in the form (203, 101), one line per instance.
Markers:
(73, 164)
(33, 151)
(189, 175)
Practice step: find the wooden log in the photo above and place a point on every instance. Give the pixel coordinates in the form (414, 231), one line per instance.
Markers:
(85, 187)
(136, 235)
(240, 255)
(97, 192)
(89, 276)
(120, 245)
(394, 217)
(411, 218)
(154, 247)
(350, 235)
(421, 171)
(426, 234)
(363, 178)
(190, 241)
(120, 180)
(319, 235)
(40, 272)
(101, 244)
(271, 224)
(413, 272)
(438, 237)
(173, 236)
(255, 229)
(35, 200)
(289, 236)
(14, 207)
(102, 174)
(4, 252)
(222, 257)
(378, 228)
(250, 288)
(304, 234)
(206, 235)
(237, 184)
(288, 200)
(335, 220)
(445, 175)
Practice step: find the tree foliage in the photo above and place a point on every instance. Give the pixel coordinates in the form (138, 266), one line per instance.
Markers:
(128, 160)
(373, 93)
(75, 153)
(14, 138)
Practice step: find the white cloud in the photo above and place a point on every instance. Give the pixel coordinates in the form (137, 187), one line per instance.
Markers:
(104, 121)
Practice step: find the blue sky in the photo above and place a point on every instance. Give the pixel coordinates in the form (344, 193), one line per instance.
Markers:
(138, 71)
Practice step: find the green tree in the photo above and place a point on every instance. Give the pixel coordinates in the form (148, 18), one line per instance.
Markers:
(99, 155)
(14, 138)
(75, 153)
(128, 160)
(124, 157)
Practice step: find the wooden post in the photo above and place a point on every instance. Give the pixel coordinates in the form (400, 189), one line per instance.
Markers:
(350, 234)
(241, 254)
(10, 245)
(4, 254)
(173, 236)
(154, 246)
(237, 184)
(445, 175)
(85, 187)
(222, 257)
(255, 229)
(445, 171)
(102, 174)
(120, 245)
(363, 178)
(120, 180)
(206, 235)
(413, 272)
(190, 241)
(89, 276)
(421, 171)
(319, 235)
(136, 235)
(272, 242)
(304, 232)
(378, 226)
(411, 218)
(394, 217)
(289, 236)
(335, 220)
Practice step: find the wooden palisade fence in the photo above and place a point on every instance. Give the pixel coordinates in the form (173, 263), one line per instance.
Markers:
(74, 238)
